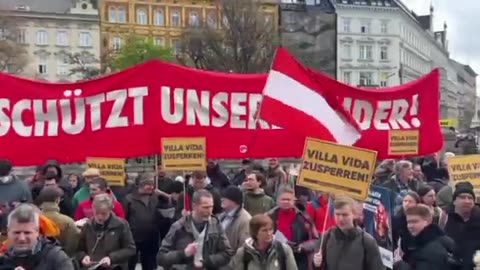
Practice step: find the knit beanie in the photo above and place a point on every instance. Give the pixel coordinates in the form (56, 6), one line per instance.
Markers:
(423, 190)
(234, 194)
(463, 187)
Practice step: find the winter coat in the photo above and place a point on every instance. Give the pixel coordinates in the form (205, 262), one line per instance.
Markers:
(257, 202)
(466, 234)
(69, 233)
(304, 234)
(350, 250)
(113, 239)
(49, 257)
(142, 217)
(217, 252)
(260, 261)
(238, 229)
(429, 250)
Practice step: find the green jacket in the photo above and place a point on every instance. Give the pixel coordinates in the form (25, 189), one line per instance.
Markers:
(81, 195)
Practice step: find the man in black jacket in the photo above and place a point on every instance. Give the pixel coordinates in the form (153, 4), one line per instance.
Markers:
(28, 250)
(428, 248)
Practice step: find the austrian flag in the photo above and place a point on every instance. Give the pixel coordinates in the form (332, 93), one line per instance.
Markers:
(293, 99)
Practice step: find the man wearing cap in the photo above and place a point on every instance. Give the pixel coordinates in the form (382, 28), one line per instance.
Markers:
(235, 219)
(83, 193)
(462, 223)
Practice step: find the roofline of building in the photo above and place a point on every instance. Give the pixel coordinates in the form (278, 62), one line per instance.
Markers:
(45, 15)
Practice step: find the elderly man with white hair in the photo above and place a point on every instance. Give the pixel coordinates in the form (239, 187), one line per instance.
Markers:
(402, 182)
(27, 250)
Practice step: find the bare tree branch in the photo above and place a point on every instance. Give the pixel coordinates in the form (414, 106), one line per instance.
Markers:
(13, 56)
(243, 41)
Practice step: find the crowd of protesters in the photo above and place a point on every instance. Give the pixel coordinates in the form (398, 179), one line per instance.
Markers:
(256, 220)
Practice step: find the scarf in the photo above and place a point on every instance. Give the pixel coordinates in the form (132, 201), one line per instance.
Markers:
(200, 239)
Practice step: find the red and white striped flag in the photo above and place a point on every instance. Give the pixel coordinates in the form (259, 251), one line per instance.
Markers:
(293, 99)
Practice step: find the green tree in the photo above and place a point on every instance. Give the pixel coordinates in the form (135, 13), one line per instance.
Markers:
(136, 51)
(243, 41)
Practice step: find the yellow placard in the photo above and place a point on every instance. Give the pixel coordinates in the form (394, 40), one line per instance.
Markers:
(403, 142)
(465, 168)
(112, 169)
(184, 154)
(337, 169)
(449, 122)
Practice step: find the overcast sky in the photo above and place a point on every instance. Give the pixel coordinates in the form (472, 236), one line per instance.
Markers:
(463, 20)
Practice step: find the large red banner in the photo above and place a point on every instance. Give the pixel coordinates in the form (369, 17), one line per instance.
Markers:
(127, 113)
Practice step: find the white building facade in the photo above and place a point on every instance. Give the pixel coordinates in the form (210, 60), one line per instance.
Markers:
(52, 32)
(381, 43)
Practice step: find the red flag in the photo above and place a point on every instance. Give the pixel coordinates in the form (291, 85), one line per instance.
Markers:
(293, 99)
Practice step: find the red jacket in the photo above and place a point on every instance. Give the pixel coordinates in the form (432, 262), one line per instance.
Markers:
(317, 210)
(84, 209)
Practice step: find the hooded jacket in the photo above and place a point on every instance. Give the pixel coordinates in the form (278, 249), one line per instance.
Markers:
(260, 261)
(429, 250)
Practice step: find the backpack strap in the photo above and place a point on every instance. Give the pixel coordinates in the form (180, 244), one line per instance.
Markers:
(281, 256)
(364, 260)
(247, 257)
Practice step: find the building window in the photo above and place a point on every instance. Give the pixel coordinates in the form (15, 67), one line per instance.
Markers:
(346, 25)
(42, 65)
(63, 66)
(122, 16)
(42, 37)
(365, 79)
(85, 39)
(365, 26)
(176, 20)
(159, 41)
(384, 53)
(158, 18)
(22, 36)
(365, 52)
(194, 20)
(347, 51)
(117, 43)
(212, 19)
(142, 16)
(62, 38)
(112, 15)
(347, 77)
(384, 27)
(117, 15)
(176, 46)
(384, 79)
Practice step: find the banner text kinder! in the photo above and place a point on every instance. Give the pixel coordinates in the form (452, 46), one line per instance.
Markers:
(110, 116)
(337, 169)
(412, 106)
